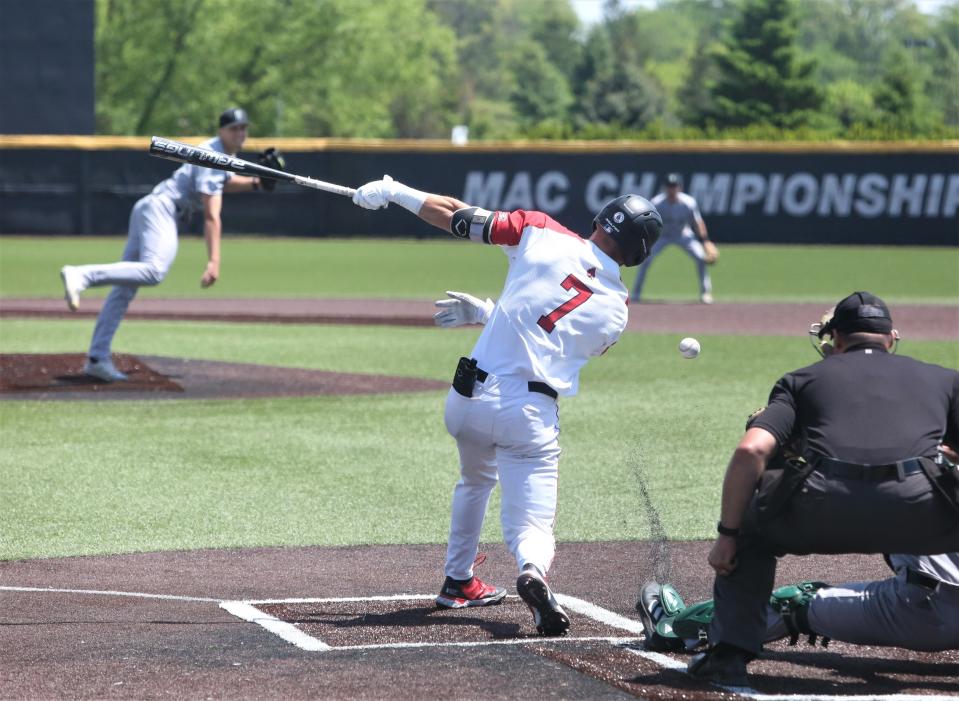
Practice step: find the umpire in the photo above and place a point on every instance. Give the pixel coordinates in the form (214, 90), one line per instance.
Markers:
(868, 424)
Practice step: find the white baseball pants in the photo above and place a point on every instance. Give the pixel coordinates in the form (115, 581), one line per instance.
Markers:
(693, 248)
(150, 250)
(508, 434)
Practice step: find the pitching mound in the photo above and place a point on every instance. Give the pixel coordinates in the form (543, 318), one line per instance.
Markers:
(60, 376)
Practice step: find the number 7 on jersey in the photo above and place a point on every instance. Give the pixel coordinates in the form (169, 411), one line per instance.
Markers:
(548, 321)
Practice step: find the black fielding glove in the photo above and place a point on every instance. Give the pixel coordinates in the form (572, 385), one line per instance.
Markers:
(271, 158)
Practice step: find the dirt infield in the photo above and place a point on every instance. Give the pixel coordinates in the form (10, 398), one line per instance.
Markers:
(386, 640)
(219, 623)
(60, 376)
(920, 322)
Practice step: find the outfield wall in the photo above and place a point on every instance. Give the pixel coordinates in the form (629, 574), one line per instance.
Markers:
(751, 192)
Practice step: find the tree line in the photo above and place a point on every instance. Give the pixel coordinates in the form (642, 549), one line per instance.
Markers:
(522, 69)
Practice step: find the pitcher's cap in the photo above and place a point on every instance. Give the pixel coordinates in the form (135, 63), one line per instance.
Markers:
(234, 115)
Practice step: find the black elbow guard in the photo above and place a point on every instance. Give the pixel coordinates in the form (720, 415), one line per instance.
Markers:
(472, 223)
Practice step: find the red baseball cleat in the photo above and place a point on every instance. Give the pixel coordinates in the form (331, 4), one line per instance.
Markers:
(457, 594)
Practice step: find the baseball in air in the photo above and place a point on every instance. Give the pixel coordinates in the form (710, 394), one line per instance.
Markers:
(689, 348)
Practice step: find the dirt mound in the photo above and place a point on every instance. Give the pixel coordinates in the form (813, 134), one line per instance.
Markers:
(60, 376)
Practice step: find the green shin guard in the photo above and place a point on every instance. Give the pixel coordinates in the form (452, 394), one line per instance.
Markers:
(792, 603)
(693, 622)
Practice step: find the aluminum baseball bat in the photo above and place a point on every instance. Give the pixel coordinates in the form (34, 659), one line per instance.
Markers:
(184, 153)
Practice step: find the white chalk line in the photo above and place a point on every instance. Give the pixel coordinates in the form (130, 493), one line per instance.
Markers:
(247, 611)
(98, 592)
(748, 692)
(598, 613)
(343, 599)
(490, 643)
(610, 618)
(287, 631)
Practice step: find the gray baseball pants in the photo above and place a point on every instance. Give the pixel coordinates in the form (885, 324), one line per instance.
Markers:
(890, 612)
(693, 248)
(828, 515)
(150, 250)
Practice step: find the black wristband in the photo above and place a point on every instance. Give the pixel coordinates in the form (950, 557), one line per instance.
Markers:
(722, 530)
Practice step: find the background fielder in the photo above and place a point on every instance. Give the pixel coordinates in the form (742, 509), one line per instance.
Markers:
(683, 226)
(152, 238)
(563, 302)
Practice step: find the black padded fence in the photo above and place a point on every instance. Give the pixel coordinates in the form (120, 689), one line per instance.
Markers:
(46, 67)
(872, 196)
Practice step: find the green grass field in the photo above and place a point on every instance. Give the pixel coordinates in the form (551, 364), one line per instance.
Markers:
(261, 267)
(104, 477)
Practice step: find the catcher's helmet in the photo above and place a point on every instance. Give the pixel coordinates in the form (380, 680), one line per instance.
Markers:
(860, 312)
(633, 223)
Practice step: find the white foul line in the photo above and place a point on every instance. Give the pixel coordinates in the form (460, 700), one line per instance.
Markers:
(287, 631)
(136, 594)
(343, 599)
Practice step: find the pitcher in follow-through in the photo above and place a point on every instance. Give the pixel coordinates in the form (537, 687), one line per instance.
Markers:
(152, 238)
(563, 302)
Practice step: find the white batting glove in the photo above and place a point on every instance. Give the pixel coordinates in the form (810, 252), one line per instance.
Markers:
(461, 309)
(379, 193)
(376, 194)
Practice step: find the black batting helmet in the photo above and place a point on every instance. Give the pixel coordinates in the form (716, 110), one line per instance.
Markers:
(633, 223)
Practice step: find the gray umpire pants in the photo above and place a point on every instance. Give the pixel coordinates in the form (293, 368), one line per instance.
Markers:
(150, 250)
(827, 515)
(693, 248)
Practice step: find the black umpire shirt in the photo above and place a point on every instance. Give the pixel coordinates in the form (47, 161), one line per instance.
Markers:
(865, 406)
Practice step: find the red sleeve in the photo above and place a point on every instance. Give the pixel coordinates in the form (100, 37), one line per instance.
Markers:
(508, 227)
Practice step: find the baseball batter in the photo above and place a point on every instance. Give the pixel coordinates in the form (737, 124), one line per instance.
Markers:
(683, 226)
(152, 238)
(563, 302)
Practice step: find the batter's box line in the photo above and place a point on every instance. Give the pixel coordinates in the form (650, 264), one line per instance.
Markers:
(249, 611)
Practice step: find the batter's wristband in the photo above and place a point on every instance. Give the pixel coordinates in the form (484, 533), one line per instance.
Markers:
(408, 198)
(722, 530)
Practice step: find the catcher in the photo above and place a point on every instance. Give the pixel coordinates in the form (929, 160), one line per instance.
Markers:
(683, 226)
(917, 608)
(867, 424)
(152, 238)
